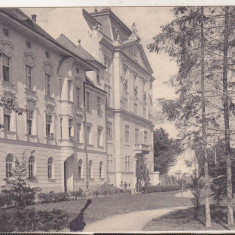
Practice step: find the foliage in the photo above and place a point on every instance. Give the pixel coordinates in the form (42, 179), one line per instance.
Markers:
(17, 192)
(142, 174)
(28, 220)
(10, 104)
(104, 190)
(197, 187)
(160, 188)
(165, 150)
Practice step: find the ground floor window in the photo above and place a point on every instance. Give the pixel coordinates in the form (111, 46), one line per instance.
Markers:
(90, 169)
(80, 169)
(31, 167)
(9, 165)
(50, 168)
(101, 169)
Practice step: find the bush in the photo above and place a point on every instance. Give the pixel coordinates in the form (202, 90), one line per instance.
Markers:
(103, 190)
(160, 188)
(17, 192)
(32, 220)
(77, 194)
(53, 197)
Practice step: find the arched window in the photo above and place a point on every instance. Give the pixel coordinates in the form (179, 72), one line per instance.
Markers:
(31, 167)
(80, 169)
(90, 170)
(50, 168)
(9, 164)
(101, 170)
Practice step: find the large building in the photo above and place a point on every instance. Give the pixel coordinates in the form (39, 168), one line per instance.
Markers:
(87, 107)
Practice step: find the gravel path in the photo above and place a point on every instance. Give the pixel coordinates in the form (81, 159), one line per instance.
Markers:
(133, 221)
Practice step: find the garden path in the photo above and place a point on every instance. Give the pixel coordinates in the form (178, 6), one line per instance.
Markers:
(133, 221)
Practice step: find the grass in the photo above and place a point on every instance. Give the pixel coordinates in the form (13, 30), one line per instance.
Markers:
(183, 220)
(102, 207)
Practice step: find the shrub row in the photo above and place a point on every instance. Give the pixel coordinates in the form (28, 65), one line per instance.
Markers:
(105, 190)
(29, 220)
(160, 188)
(58, 197)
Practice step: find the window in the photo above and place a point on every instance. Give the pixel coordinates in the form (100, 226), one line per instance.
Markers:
(99, 136)
(29, 77)
(70, 128)
(101, 170)
(77, 70)
(135, 108)
(145, 137)
(127, 163)
(9, 165)
(47, 86)
(6, 68)
(107, 89)
(61, 128)
(126, 134)
(88, 134)
(107, 63)
(79, 132)
(29, 122)
(7, 121)
(60, 87)
(99, 105)
(136, 136)
(125, 88)
(31, 167)
(48, 124)
(98, 77)
(28, 44)
(88, 101)
(78, 94)
(50, 168)
(125, 103)
(5, 32)
(47, 54)
(136, 92)
(144, 112)
(69, 89)
(109, 130)
(80, 169)
(90, 169)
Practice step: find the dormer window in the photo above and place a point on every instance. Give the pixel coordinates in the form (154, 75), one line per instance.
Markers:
(28, 44)
(5, 32)
(47, 54)
(77, 70)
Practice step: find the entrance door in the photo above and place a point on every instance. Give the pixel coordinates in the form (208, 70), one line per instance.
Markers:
(68, 174)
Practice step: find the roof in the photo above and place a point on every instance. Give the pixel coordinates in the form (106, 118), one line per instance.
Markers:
(91, 83)
(21, 17)
(79, 50)
(24, 19)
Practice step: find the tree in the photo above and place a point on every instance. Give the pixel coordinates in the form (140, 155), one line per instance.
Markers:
(165, 150)
(17, 192)
(142, 174)
(184, 40)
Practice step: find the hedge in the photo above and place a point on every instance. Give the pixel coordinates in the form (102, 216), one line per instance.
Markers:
(160, 188)
(28, 220)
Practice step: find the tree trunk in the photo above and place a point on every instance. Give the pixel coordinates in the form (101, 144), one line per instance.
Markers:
(226, 121)
(204, 126)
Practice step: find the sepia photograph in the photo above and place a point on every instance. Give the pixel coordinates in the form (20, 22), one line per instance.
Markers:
(117, 119)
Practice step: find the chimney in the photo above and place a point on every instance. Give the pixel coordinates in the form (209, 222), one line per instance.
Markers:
(79, 42)
(34, 17)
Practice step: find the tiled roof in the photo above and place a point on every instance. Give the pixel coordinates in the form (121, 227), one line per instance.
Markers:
(17, 14)
(79, 50)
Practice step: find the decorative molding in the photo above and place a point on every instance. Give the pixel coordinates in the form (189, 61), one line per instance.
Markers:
(7, 48)
(48, 68)
(29, 59)
(9, 87)
(50, 109)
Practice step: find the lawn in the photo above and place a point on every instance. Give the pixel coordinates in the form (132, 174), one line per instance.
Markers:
(102, 207)
(183, 220)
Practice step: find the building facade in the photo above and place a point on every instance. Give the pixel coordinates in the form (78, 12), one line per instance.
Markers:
(86, 114)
